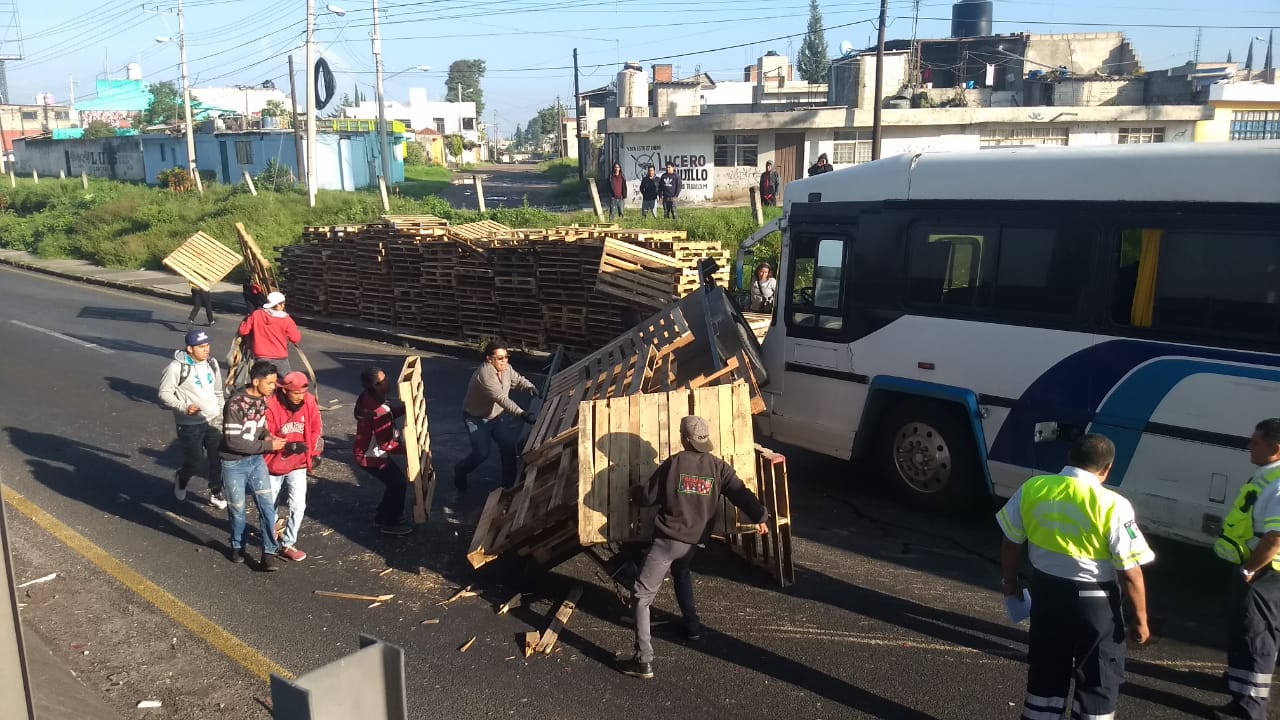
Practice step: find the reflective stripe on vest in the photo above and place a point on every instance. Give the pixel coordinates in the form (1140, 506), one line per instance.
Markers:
(1237, 526)
(1068, 516)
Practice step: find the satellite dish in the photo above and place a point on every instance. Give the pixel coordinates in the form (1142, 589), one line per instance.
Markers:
(846, 48)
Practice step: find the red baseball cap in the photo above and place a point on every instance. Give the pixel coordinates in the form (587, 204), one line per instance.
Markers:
(295, 381)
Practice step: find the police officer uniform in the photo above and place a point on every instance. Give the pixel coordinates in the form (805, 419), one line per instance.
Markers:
(1255, 597)
(1079, 534)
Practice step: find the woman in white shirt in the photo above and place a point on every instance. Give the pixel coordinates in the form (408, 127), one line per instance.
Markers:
(763, 288)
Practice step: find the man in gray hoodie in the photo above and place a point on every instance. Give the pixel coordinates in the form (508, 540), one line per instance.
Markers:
(191, 386)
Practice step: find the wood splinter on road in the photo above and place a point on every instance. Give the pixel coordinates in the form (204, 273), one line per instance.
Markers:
(430, 621)
(384, 572)
(463, 593)
(467, 645)
(352, 596)
(511, 604)
(561, 619)
(530, 642)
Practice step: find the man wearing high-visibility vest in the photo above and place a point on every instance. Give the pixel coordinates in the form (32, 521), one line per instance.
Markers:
(1251, 539)
(1081, 538)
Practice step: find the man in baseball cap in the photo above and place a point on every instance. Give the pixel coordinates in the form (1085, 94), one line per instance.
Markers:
(270, 330)
(687, 490)
(191, 386)
(292, 414)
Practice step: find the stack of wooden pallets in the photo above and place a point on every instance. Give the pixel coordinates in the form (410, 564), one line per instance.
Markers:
(515, 289)
(477, 304)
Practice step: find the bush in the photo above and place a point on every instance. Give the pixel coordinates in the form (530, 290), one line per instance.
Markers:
(276, 176)
(176, 179)
(560, 168)
(415, 154)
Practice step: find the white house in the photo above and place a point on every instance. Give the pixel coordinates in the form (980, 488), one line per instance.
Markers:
(446, 118)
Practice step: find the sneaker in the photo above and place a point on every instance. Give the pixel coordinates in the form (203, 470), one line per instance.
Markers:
(395, 529)
(212, 323)
(236, 556)
(1228, 712)
(693, 633)
(179, 492)
(218, 501)
(635, 668)
(292, 554)
(268, 563)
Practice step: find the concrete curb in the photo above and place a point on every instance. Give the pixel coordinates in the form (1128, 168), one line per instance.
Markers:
(460, 349)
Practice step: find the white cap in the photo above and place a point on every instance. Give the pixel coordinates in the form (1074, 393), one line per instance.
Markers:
(273, 299)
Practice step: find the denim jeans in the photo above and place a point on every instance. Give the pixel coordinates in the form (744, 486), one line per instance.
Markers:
(615, 205)
(296, 483)
(665, 554)
(200, 444)
(482, 433)
(649, 207)
(669, 208)
(249, 472)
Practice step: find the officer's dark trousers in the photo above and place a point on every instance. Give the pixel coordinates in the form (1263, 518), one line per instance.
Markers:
(1077, 633)
(1251, 646)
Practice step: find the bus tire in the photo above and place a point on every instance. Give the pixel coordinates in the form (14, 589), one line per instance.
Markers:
(928, 453)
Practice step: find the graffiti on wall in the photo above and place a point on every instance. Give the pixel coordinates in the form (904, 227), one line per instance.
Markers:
(690, 159)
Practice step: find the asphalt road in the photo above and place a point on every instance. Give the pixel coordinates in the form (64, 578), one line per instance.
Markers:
(505, 186)
(895, 613)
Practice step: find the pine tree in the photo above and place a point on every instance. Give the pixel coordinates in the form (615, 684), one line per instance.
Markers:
(814, 62)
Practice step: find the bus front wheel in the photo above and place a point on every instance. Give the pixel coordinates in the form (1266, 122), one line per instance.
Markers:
(929, 454)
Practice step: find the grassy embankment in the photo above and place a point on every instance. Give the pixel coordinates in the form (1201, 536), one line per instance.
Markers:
(132, 226)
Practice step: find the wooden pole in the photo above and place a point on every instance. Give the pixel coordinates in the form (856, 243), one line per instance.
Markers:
(479, 192)
(382, 192)
(297, 131)
(595, 200)
(13, 181)
(84, 180)
(35, 177)
(877, 128)
(62, 174)
(248, 180)
(757, 210)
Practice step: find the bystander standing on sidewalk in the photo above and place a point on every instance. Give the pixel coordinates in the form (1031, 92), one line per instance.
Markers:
(245, 441)
(484, 411)
(292, 414)
(377, 440)
(271, 330)
(191, 386)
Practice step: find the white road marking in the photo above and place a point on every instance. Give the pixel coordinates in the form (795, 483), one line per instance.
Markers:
(60, 336)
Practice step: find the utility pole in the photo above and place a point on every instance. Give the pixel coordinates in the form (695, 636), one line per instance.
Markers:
(877, 129)
(382, 103)
(559, 128)
(459, 95)
(310, 72)
(186, 104)
(73, 91)
(297, 131)
(577, 118)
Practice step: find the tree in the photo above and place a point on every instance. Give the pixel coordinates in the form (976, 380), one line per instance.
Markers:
(99, 129)
(468, 74)
(277, 109)
(814, 63)
(165, 107)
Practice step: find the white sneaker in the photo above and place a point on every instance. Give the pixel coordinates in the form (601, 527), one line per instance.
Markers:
(218, 501)
(178, 491)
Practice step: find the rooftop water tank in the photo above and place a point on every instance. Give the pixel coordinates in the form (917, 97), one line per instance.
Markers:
(133, 71)
(971, 18)
(633, 87)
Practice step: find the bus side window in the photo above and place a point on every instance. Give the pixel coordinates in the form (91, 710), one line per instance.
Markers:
(945, 268)
(1219, 283)
(1133, 293)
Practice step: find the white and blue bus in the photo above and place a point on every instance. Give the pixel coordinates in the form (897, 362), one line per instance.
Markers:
(956, 319)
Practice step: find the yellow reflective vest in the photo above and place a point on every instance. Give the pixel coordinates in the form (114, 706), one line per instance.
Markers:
(1237, 527)
(1068, 516)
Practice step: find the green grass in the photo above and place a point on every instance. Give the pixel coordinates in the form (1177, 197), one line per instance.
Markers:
(133, 226)
(559, 169)
(424, 180)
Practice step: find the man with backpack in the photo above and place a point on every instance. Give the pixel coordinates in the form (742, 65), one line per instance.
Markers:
(191, 386)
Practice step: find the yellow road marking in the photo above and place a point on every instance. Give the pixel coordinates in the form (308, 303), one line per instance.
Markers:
(204, 628)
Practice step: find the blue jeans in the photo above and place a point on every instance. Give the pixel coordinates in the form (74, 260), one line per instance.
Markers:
(200, 443)
(481, 433)
(296, 498)
(249, 472)
(648, 207)
(615, 205)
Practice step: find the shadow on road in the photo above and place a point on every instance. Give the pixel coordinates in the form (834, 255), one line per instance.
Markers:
(133, 391)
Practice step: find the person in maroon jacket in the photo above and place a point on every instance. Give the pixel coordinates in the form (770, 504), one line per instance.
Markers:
(292, 414)
(377, 439)
(271, 330)
(615, 191)
(687, 489)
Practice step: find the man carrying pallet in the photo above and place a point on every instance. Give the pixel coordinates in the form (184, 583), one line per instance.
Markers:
(687, 490)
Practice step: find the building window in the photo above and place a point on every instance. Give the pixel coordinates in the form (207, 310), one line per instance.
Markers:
(468, 123)
(736, 150)
(30, 115)
(852, 147)
(61, 115)
(439, 124)
(1254, 125)
(162, 157)
(244, 152)
(1136, 135)
(1015, 136)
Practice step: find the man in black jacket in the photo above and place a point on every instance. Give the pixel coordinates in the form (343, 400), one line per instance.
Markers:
(669, 189)
(821, 167)
(245, 441)
(649, 194)
(687, 489)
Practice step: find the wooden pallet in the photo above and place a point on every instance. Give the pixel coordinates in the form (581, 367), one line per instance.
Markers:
(202, 261)
(622, 440)
(414, 221)
(417, 438)
(257, 266)
(771, 552)
(478, 230)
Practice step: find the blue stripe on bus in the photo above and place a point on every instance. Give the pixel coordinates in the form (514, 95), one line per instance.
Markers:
(1072, 390)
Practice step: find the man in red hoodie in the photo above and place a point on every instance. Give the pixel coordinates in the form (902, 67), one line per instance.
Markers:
(292, 414)
(271, 330)
(377, 439)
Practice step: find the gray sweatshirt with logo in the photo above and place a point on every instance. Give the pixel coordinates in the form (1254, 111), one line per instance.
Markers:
(202, 387)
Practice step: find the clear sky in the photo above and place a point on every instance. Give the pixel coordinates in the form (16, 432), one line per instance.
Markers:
(528, 45)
